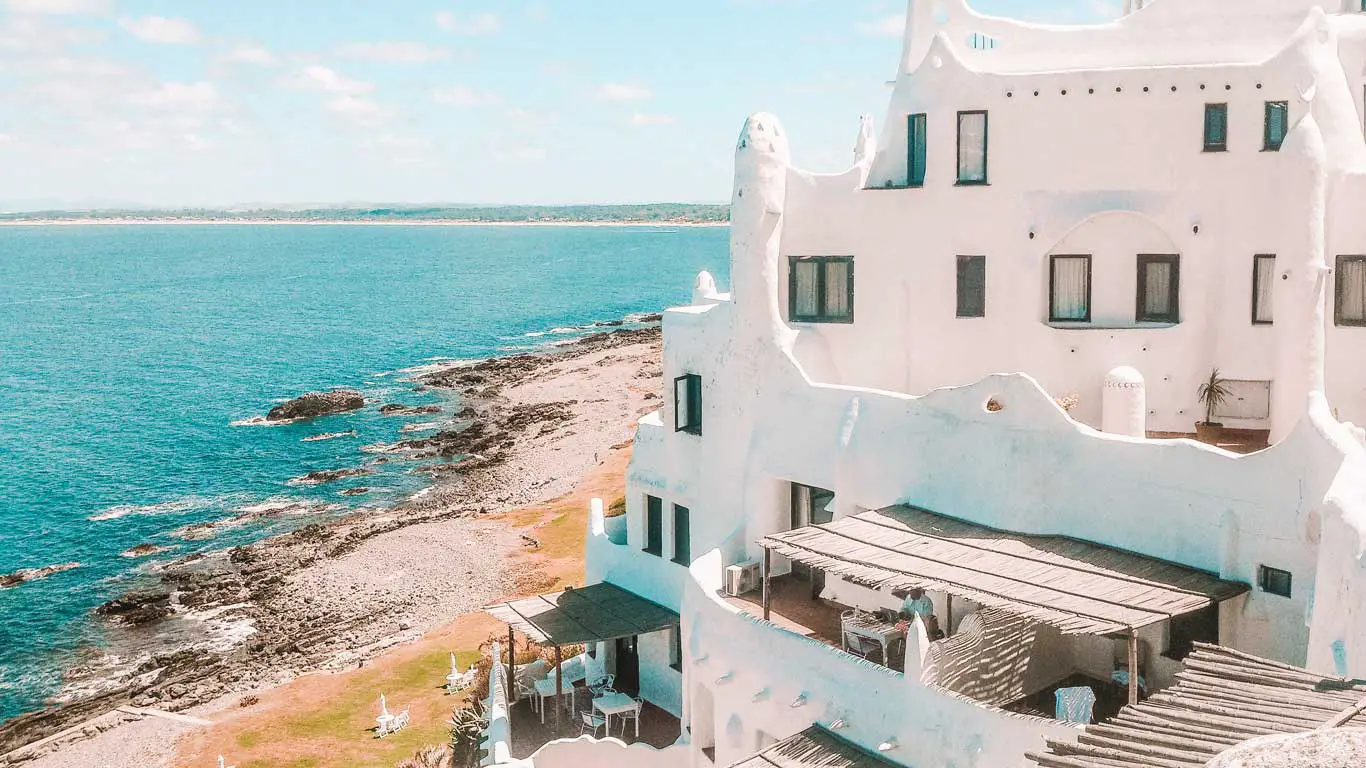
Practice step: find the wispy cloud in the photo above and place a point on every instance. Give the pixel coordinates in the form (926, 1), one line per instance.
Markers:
(622, 92)
(644, 119)
(61, 7)
(463, 96)
(394, 52)
(887, 26)
(359, 109)
(250, 54)
(474, 24)
(159, 29)
(201, 96)
(319, 78)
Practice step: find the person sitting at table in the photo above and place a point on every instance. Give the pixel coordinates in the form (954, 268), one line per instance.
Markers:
(917, 603)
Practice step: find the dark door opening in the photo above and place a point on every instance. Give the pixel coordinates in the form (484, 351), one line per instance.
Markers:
(628, 666)
(811, 506)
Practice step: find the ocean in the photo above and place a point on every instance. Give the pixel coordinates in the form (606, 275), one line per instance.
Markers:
(133, 360)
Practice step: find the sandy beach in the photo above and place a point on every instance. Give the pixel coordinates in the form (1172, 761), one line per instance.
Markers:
(544, 431)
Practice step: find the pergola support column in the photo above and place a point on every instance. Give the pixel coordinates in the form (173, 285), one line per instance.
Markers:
(1133, 666)
(559, 682)
(512, 670)
(767, 569)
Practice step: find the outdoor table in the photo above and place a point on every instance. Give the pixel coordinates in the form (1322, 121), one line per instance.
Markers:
(545, 689)
(616, 704)
(871, 627)
(383, 722)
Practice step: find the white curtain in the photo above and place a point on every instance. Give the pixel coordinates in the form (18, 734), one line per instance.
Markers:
(837, 289)
(1352, 297)
(682, 404)
(1070, 279)
(807, 302)
(1266, 275)
(972, 147)
(1157, 287)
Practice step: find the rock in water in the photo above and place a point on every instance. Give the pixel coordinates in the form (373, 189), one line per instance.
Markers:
(315, 404)
(30, 574)
(144, 550)
(329, 475)
(137, 608)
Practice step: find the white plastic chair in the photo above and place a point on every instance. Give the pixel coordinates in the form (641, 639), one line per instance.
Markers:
(632, 715)
(590, 722)
(602, 685)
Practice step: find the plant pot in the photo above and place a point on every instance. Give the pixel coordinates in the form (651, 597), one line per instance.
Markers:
(1209, 432)
(615, 528)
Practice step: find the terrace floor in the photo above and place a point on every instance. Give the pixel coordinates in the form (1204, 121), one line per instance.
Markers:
(1235, 440)
(658, 728)
(792, 608)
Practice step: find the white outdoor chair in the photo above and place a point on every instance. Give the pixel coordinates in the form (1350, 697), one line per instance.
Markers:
(602, 685)
(400, 722)
(590, 722)
(631, 715)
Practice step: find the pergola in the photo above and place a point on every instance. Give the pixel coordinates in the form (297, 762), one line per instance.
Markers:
(815, 747)
(1079, 587)
(596, 613)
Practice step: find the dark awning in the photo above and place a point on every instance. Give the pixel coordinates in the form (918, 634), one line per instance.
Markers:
(815, 747)
(584, 615)
(1078, 586)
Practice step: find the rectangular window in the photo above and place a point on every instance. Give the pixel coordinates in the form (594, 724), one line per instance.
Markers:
(972, 286)
(675, 648)
(1159, 289)
(972, 147)
(688, 404)
(1216, 127)
(1069, 289)
(682, 539)
(654, 526)
(1263, 282)
(1351, 291)
(915, 150)
(1277, 125)
(821, 289)
(1273, 580)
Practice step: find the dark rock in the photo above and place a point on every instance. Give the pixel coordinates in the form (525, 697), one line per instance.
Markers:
(357, 491)
(137, 608)
(145, 550)
(394, 409)
(315, 404)
(330, 475)
(31, 574)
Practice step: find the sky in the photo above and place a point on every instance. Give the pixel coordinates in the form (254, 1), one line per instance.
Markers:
(174, 103)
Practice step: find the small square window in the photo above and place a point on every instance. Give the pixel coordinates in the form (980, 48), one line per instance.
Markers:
(1263, 283)
(972, 147)
(1273, 580)
(972, 286)
(1159, 289)
(654, 526)
(1350, 279)
(1069, 289)
(915, 150)
(1277, 125)
(1216, 127)
(688, 404)
(821, 289)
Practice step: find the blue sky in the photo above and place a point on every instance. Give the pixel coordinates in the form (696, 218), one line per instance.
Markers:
(209, 102)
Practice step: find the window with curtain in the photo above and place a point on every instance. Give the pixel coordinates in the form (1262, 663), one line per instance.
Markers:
(1216, 127)
(1159, 289)
(1263, 277)
(654, 526)
(972, 286)
(682, 538)
(1277, 125)
(688, 404)
(821, 289)
(1069, 289)
(972, 147)
(915, 150)
(1351, 290)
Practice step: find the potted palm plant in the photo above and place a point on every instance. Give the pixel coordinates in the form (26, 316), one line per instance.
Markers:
(1213, 393)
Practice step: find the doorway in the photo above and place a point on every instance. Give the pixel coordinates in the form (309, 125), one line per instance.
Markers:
(811, 506)
(628, 666)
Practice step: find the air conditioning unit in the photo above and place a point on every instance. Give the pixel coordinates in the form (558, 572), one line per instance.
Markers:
(742, 578)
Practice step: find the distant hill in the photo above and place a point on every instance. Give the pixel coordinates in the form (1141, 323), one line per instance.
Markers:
(679, 213)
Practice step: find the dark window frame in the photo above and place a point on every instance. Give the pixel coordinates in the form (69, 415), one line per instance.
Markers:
(970, 262)
(1173, 291)
(915, 160)
(986, 155)
(1338, 289)
(676, 648)
(821, 315)
(1268, 580)
(686, 559)
(1052, 277)
(1266, 125)
(1257, 282)
(654, 526)
(693, 394)
(1222, 109)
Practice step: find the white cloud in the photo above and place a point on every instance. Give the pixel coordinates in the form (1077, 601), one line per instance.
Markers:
(622, 92)
(644, 119)
(358, 109)
(251, 54)
(394, 52)
(159, 29)
(61, 7)
(519, 154)
(475, 24)
(463, 96)
(201, 96)
(887, 26)
(319, 78)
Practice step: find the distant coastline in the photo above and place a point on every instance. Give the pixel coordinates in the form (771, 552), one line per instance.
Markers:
(656, 215)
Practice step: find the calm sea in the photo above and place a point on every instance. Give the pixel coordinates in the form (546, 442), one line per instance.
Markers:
(127, 354)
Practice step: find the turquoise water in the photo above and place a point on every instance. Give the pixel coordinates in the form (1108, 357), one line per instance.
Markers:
(127, 353)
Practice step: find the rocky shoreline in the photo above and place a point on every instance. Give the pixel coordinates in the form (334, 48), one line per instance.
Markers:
(529, 426)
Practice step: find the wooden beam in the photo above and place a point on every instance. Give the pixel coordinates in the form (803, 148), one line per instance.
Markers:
(767, 574)
(559, 681)
(1133, 666)
(512, 670)
(948, 614)
(1344, 715)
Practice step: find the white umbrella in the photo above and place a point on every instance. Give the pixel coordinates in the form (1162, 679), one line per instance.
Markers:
(220, 761)
(455, 668)
(383, 707)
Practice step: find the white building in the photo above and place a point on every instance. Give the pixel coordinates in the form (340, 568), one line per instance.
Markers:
(1112, 211)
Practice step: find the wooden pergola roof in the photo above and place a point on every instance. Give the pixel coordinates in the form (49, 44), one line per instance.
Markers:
(815, 747)
(1077, 586)
(589, 614)
(1221, 698)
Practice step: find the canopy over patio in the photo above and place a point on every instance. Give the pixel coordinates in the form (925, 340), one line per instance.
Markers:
(815, 747)
(1222, 697)
(591, 614)
(1077, 586)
